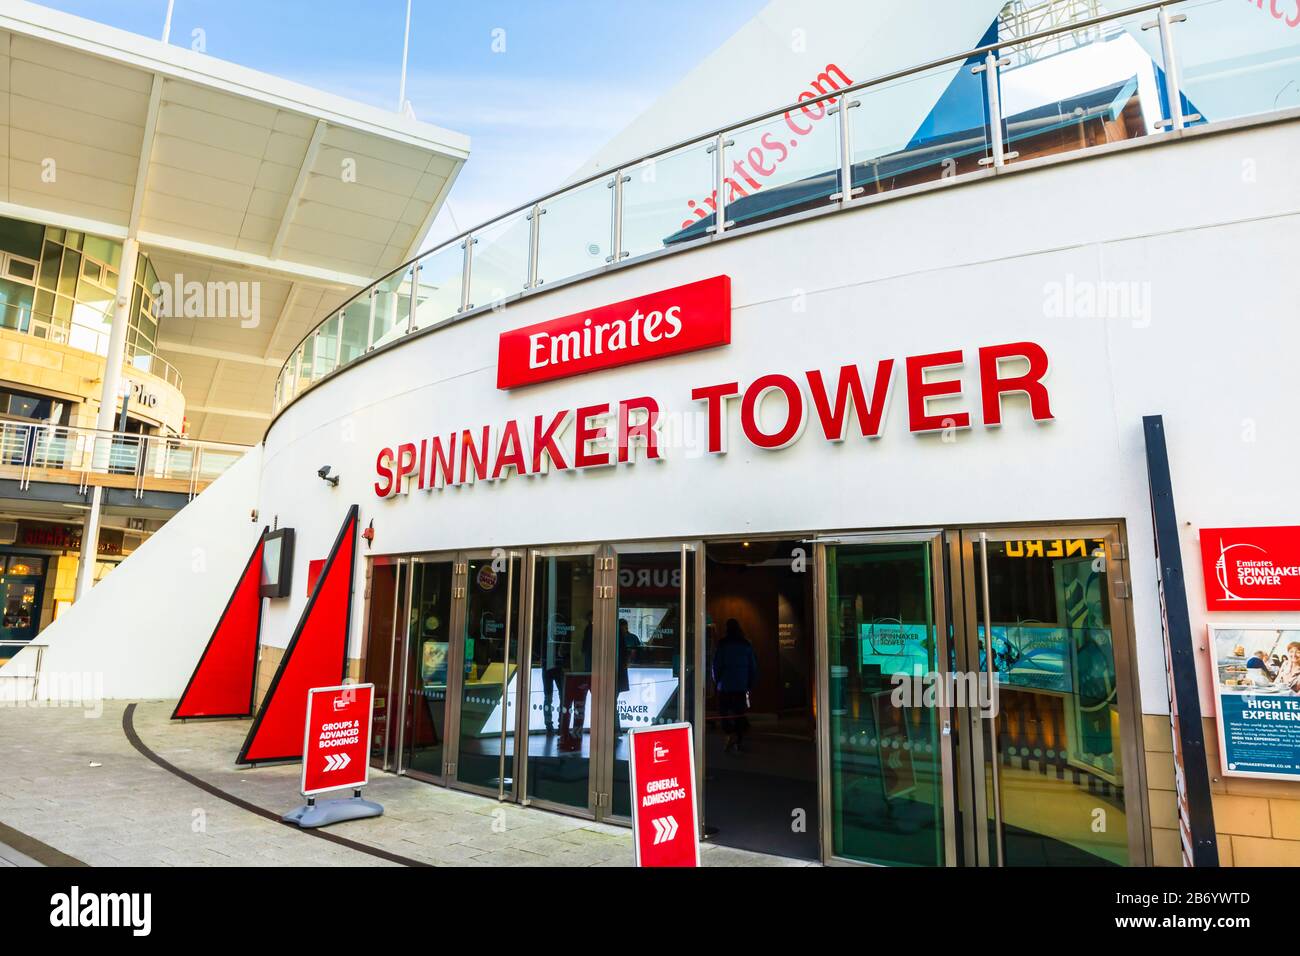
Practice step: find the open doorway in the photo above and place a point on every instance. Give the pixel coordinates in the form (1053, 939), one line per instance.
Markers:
(760, 763)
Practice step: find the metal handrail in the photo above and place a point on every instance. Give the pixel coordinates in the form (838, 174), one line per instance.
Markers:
(44, 320)
(85, 451)
(988, 53)
(35, 676)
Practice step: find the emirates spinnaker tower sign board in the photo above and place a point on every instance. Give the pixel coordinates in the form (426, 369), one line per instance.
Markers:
(665, 831)
(336, 751)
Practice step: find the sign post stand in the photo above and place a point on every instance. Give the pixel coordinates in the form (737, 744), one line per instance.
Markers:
(665, 824)
(336, 755)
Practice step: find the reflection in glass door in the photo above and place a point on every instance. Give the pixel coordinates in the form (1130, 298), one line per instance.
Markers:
(429, 627)
(652, 636)
(563, 642)
(887, 751)
(1053, 782)
(486, 714)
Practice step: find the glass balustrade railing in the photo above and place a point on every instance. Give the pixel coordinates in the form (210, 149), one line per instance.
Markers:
(31, 452)
(1137, 73)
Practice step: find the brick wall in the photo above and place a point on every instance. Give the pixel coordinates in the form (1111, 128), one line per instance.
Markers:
(1257, 821)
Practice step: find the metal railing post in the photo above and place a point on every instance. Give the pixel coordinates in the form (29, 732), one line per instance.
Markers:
(997, 143)
(1173, 82)
(140, 465)
(534, 244)
(410, 312)
(466, 267)
(616, 252)
(719, 149)
(847, 192)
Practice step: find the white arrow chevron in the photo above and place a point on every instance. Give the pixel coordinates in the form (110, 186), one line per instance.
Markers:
(336, 761)
(665, 829)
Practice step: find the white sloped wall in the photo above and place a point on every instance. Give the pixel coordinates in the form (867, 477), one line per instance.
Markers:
(140, 631)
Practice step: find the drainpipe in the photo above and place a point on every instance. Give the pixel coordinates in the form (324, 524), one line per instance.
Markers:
(104, 422)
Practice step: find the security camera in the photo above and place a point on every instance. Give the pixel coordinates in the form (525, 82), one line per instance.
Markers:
(323, 473)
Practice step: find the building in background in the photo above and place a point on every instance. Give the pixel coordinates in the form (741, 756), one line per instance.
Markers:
(170, 225)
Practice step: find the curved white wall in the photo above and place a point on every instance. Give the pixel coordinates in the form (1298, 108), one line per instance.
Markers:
(961, 267)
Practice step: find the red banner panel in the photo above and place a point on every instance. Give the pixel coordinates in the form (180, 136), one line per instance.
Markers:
(222, 682)
(683, 319)
(1251, 569)
(338, 738)
(317, 656)
(664, 829)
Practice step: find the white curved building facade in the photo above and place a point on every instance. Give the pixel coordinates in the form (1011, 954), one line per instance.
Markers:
(789, 478)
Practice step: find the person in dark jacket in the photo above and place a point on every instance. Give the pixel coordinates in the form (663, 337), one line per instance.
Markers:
(735, 669)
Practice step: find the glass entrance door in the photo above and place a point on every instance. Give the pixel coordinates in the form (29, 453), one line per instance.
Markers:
(428, 626)
(486, 665)
(653, 638)
(887, 740)
(386, 607)
(1053, 779)
(563, 667)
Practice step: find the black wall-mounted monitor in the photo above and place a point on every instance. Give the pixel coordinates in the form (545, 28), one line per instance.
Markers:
(277, 563)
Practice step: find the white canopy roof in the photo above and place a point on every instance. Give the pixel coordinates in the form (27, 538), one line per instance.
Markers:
(222, 172)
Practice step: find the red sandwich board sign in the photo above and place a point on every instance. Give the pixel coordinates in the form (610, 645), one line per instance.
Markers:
(336, 749)
(665, 830)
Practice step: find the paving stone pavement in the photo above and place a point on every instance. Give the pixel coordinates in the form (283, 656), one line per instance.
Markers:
(72, 780)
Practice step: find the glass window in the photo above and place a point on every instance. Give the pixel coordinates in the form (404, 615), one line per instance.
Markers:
(103, 249)
(68, 273)
(23, 270)
(21, 238)
(50, 259)
(26, 566)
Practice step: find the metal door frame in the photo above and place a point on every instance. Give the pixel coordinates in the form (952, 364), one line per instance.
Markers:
(939, 604)
(597, 552)
(460, 613)
(965, 550)
(413, 562)
(384, 761)
(689, 551)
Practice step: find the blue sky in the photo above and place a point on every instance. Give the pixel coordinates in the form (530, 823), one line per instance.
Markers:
(573, 73)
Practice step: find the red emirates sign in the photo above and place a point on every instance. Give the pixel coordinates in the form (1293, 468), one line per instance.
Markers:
(336, 751)
(664, 828)
(684, 319)
(1251, 569)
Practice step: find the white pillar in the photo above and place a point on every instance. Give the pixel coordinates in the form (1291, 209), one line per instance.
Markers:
(108, 398)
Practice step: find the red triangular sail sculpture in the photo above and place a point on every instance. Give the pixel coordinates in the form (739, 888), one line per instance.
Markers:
(317, 656)
(222, 682)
